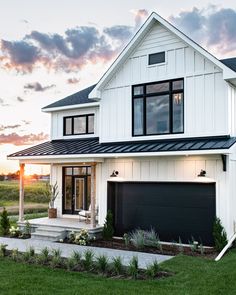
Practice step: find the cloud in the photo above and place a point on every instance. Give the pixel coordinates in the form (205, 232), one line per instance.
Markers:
(140, 16)
(2, 127)
(68, 52)
(20, 99)
(26, 122)
(3, 103)
(36, 86)
(72, 80)
(212, 27)
(18, 140)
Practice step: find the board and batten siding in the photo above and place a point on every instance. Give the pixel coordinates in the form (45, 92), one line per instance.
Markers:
(57, 122)
(205, 92)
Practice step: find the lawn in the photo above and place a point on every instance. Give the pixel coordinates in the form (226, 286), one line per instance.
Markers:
(192, 276)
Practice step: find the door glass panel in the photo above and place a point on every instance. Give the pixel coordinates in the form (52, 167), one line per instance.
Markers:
(80, 171)
(88, 201)
(158, 118)
(68, 171)
(79, 193)
(68, 193)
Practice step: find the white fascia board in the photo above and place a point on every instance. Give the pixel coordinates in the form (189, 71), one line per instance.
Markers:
(96, 93)
(96, 157)
(64, 160)
(70, 107)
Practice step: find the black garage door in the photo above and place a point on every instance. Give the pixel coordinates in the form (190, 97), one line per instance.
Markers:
(173, 209)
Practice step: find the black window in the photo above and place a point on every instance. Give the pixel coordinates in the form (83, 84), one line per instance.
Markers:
(78, 125)
(156, 58)
(158, 108)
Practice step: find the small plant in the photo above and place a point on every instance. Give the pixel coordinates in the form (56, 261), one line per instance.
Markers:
(77, 256)
(102, 263)
(14, 231)
(180, 246)
(219, 234)
(3, 250)
(137, 238)
(15, 254)
(152, 270)
(27, 229)
(126, 239)
(202, 250)
(29, 255)
(193, 244)
(117, 265)
(82, 238)
(151, 238)
(56, 259)
(71, 263)
(108, 229)
(133, 267)
(44, 257)
(88, 260)
(51, 193)
(4, 222)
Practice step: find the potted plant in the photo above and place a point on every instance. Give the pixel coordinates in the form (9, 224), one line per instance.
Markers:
(52, 193)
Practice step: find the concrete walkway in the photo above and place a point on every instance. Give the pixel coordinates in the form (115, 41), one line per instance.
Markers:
(67, 249)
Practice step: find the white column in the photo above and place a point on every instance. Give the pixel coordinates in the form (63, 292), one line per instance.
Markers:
(93, 195)
(21, 196)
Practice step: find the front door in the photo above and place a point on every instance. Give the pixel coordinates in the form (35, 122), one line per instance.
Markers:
(76, 189)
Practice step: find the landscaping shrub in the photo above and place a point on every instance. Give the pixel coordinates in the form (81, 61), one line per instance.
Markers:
(102, 263)
(4, 223)
(137, 238)
(152, 270)
(219, 234)
(56, 259)
(140, 238)
(71, 263)
(88, 260)
(126, 238)
(108, 229)
(117, 265)
(15, 231)
(133, 267)
(77, 256)
(3, 250)
(81, 238)
(29, 255)
(44, 257)
(15, 254)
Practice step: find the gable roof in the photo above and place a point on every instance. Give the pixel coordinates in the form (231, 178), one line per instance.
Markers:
(230, 63)
(228, 73)
(80, 97)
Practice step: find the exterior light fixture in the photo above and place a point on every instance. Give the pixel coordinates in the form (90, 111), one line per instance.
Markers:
(202, 173)
(114, 173)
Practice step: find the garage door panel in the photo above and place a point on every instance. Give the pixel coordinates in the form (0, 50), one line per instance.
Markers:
(173, 209)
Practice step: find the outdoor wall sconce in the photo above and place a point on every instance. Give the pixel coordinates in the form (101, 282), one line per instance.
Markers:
(202, 173)
(114, 173)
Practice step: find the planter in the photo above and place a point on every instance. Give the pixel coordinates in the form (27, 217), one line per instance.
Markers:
(52, 213)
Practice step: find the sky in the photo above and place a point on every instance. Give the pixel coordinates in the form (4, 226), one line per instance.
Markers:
(50, 49)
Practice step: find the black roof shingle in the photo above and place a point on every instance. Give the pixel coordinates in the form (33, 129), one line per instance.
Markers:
(76, 98)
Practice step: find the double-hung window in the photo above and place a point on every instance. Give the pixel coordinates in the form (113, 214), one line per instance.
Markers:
(158, 108)
(78, 125)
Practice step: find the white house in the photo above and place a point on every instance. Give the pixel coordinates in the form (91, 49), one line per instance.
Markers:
(153, 140)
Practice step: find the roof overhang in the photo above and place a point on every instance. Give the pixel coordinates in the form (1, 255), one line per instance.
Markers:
(70, 107)
(228, 74)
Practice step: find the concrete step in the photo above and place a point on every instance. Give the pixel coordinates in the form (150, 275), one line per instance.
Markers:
(48, 234)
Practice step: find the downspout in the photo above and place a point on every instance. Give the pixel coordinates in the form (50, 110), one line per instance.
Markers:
(220, 255)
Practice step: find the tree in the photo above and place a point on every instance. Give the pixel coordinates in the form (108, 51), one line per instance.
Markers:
(219, 235)
(108, 229)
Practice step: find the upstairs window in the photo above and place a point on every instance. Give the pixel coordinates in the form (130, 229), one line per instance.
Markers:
(158, 108)
(78, 125)
(156, 58)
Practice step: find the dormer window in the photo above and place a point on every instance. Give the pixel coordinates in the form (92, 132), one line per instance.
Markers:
(158, 108)
(79, 125)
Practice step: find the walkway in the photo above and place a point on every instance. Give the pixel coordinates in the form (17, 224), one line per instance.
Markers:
(67, 249)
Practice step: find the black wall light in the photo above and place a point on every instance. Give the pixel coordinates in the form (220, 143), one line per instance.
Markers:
(202, 173)
(114, 173)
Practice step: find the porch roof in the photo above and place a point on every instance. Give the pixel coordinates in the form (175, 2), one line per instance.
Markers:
(92, 146)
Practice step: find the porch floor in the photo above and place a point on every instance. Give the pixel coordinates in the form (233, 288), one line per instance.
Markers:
(68, 224)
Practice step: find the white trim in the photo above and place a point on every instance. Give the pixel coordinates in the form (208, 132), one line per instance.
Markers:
(96, 92)
(74, 106)
(100, 157)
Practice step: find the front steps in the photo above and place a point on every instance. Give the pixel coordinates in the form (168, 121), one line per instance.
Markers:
(48, 233)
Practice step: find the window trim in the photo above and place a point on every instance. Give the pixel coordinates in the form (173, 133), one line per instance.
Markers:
(72, 124)
(145, 95)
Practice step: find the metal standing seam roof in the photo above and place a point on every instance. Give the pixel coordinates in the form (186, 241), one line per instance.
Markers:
(230, 63)
(92, 146)
(80, 97)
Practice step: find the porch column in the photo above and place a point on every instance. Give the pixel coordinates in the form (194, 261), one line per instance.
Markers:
(21, 199)
(93, 195)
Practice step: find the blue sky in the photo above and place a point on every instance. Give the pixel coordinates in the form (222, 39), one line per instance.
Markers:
(50, 49)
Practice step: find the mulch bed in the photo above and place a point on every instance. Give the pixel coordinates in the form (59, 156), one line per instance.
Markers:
(170, 249)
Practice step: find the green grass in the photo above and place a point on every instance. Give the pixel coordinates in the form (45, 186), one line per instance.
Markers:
(34, 192)
(192, 276)
(14, 219)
